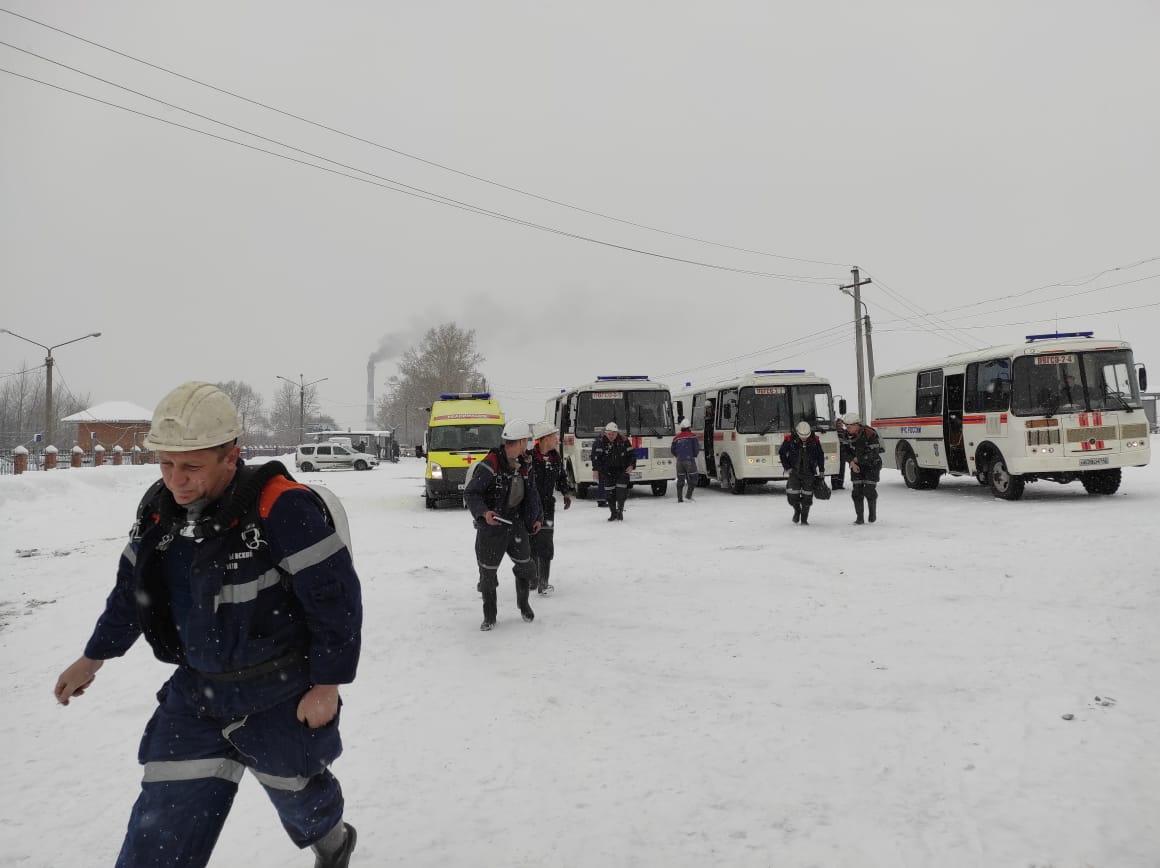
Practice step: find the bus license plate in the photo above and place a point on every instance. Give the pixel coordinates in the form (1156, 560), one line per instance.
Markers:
(462, 486)
(636, 477)
(1091, 462)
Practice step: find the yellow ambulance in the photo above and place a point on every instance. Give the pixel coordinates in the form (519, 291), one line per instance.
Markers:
(461, 429)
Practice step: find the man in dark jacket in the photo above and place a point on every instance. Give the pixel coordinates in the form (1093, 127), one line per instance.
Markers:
(550, 477)
(838, 480)
(864, 452)
(803, 459)
(241, 578)
(502, 498)
(685, 448)
(614, 458)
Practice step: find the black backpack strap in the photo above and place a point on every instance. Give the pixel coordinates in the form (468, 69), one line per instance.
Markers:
(150, 502)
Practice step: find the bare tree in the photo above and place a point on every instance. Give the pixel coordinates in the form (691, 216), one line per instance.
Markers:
(22, 407)
(445, 360)
(250, 407)
(284, 416)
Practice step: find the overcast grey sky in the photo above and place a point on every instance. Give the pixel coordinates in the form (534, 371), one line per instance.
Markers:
(956, 151)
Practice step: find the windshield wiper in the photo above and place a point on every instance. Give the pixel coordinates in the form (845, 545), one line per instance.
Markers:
(772, 423)
(1119, 396)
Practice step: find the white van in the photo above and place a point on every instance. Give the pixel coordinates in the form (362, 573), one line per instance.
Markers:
(331, 456)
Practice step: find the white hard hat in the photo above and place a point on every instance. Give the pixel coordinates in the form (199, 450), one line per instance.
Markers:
(613, 427)
(852, 419)
(803, 429)
(685, 423)
(193, 416)
(540, 430)
(516, 430)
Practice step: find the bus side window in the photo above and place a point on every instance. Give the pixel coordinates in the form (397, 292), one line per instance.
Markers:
(928, 393)
(728, 420)
(989, 386)
(680, 409)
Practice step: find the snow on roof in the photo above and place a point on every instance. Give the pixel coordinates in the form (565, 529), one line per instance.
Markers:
(112, 411)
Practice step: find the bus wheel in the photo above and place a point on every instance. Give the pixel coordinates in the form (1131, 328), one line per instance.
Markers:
(429, 501)
(659, 489)
(729, 479)
(1003, 484)
(912, 474)
(1101, 481)
(931, 479)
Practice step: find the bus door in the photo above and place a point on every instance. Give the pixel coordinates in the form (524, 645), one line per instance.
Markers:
(953, 423)
(707, 409)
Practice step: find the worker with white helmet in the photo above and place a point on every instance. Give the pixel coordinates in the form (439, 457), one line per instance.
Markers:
(686, 446)
(863, 451)
(614, 459)
(241, 578)
(503, 500)
(550, 477)
(804, 461)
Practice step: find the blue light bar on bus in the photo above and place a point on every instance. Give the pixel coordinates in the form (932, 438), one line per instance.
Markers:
(1031, 338)
(622, 377)
(465, 396)
(783, 371)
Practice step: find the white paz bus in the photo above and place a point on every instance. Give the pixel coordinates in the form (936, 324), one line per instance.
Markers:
(1060, 407)
(742, 422)
(640, 407)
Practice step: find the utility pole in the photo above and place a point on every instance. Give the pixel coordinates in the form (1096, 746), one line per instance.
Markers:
(302, 387)
(856, 287)
(869, 347)
(49, 361)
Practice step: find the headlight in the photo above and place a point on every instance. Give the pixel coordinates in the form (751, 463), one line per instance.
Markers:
(436, 471)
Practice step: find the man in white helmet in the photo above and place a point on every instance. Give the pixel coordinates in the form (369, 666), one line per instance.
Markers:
(863, 451)
(238, 576)
(686, 446)
(804, 460)
(503, 500)
(550, 477)
(614, 459)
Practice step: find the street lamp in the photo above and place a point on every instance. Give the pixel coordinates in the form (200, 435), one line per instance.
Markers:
(302, 387)
(869, 331)
(48, 363)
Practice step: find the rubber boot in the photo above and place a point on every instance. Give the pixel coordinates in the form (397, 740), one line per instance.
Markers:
(489, 609)
(338, 856)
(612, 508)
(621, 497)
(806, 512)
(796, 502)
(858, 509)
(872, 503)
(522, 600)
(543, 588)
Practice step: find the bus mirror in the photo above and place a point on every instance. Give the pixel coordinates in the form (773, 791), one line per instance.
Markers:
(1143, 379)
(842, 406)
(726, 412)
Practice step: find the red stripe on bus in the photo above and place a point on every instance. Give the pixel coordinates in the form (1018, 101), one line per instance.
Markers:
(907, 420)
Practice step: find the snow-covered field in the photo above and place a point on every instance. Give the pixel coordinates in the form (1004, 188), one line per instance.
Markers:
(709, 685)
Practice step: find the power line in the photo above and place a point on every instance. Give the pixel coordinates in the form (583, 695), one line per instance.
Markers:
(1059, 297)
(939, 324)
(416, 157)
(409, 191)
(8, 374)
(719, 363)
(1051, 318)
(1082, 281)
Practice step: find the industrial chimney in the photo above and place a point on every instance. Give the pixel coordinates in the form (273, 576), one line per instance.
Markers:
(371, 393)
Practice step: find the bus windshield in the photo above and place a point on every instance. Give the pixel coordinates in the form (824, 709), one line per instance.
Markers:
(1049, 384)
(641, 412)
(463, 438)
(813, 404)
(762, 409)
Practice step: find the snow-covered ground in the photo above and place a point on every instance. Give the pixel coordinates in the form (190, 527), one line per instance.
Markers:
(710, 685)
